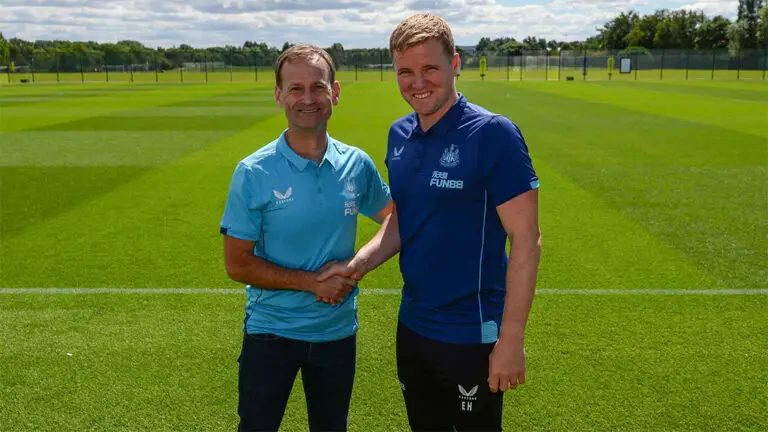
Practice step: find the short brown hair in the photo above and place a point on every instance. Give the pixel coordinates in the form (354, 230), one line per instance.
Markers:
(419, 28)
(305, 52)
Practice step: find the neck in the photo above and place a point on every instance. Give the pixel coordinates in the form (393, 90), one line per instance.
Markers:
(309, 144)
(427, 121)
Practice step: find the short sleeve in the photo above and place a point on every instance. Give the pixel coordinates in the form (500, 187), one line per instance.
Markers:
(242, 215)
(389, 146)
(377, 194)
(505, 162)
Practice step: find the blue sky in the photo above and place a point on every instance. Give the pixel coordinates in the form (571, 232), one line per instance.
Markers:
(354, 23)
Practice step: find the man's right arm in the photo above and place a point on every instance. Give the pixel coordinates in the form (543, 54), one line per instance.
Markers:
(383, 246)
(243, 266)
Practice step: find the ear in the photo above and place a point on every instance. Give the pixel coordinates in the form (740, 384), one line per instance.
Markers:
(335, 92)
(278, 92)
(455, 62)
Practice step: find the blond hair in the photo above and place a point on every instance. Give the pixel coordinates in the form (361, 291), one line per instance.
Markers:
(419, 28)
(307, 53)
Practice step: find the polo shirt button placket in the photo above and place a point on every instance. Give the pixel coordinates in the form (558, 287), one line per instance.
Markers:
(318, 180)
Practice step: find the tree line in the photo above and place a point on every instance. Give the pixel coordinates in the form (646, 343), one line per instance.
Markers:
(662, 29)
(72, 56)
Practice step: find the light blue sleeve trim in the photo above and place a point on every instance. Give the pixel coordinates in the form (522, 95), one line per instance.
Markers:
(490, 332)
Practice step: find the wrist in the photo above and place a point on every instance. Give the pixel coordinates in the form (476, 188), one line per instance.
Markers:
(359, 265)
(511, 335)
(306, 282)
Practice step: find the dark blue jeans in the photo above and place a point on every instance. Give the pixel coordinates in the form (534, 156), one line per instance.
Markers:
(268, 368)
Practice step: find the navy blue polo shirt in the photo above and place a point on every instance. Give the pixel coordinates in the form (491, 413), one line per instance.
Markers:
(446, 184)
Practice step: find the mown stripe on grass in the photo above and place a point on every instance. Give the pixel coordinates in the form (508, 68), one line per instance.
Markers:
(382, 291)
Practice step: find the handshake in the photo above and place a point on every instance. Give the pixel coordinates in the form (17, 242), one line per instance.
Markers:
(335, 280)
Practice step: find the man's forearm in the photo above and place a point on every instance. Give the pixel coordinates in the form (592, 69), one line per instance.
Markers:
(383, 246)
(261, 273)
(521, 284)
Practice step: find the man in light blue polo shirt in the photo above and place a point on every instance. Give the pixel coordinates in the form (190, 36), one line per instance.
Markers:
(292, 208)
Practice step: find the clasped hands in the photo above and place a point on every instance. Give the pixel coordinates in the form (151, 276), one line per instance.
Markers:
(335, 280)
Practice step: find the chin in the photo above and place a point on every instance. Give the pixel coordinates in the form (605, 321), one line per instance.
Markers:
(426, 110)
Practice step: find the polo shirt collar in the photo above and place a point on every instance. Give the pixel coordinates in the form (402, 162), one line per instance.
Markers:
(446, 122)
(332, 155)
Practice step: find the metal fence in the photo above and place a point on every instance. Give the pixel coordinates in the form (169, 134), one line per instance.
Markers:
(377, 66)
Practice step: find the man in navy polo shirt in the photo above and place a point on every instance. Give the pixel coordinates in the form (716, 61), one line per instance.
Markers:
(292, 208)
(462, 183)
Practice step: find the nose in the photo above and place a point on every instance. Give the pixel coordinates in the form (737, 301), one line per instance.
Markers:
(308, 98)
(418, 82)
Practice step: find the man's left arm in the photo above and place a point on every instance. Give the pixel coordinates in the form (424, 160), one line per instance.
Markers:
(512, 185)
(520, 219)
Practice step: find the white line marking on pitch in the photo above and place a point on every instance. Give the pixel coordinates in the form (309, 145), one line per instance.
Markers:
(385, 291)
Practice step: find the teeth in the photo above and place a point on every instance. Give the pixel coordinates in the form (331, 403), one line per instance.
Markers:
(422, 95)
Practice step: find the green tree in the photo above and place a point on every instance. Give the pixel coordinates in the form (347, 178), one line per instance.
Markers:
(684, 25)
(665, 35)
(613, 35)
(336, 51)
(713, 34)
(737, 36)
(5, 52)
(512, 47)
(748, 15)
(483, 44)
(644, 32)
(762, 28)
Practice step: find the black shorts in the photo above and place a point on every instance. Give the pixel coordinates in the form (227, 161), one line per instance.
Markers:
(445, 385)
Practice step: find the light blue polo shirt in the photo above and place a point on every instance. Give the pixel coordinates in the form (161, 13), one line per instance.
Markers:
(300, 215)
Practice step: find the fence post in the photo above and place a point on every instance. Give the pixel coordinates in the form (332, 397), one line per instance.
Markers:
(765, 61)
(637, 65)
(8, 72)
(687, 63)
(546, 67)
(82, 74)
(230, 66)
(584, 72)
(181, 73)
(355, 72)
(609, 59)
(205, 62)
(106, 70)
(738, 68)
(714, 54)
(522, 59)
(58, 60)
(560, 64)
(32, 68)
(156, 77)
(508, 55)
(381, 63)
(661, 66)
(131, 66)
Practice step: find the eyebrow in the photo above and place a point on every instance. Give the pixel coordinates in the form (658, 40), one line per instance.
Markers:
(299, 84)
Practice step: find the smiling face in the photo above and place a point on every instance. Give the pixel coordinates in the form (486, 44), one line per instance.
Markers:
(425, 76)
(307, 93)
